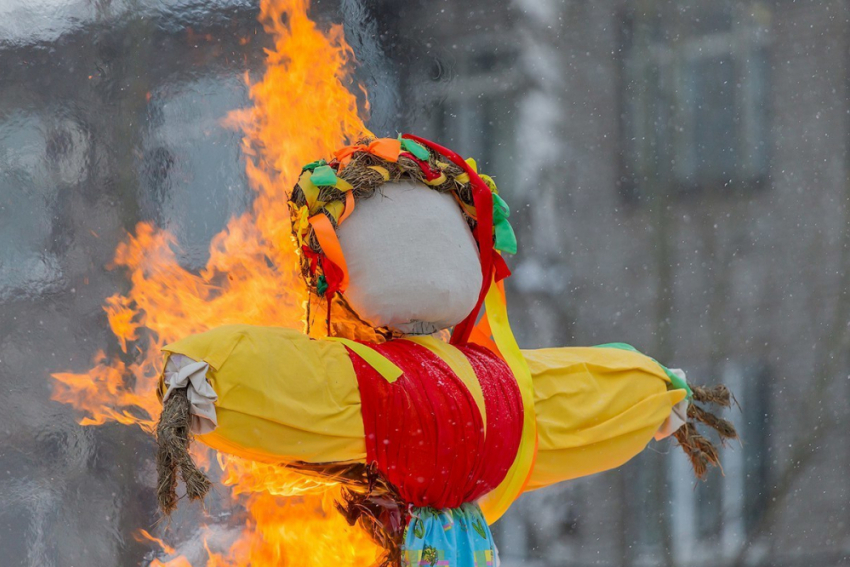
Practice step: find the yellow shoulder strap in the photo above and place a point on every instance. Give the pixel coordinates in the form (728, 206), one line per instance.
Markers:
(495, 503)
(382, 365)
(460, 366)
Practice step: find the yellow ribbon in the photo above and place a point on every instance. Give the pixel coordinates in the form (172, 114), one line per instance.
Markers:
(311, 192)
(459, 364)
(335, 208)
(495, 503)
(382, 365)
(488, 181)
(343, 185)
(437, 181)
(300, 222)
(382, 170)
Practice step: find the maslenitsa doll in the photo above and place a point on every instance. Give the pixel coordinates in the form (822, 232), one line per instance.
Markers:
(419, 399)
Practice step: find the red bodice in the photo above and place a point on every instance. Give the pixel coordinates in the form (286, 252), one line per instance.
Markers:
(425, 431)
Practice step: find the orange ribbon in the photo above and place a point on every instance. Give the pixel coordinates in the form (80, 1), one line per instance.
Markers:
(325, 233)
(349, 207)
(386, 148)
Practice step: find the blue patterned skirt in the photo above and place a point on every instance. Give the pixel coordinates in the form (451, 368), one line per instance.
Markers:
(454, 537)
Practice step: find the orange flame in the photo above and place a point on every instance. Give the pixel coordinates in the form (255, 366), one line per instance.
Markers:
(144, 535)
(302, 109)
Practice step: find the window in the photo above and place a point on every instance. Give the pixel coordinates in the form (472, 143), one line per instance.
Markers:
(694, 99)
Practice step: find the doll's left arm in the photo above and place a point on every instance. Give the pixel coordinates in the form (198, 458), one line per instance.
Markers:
(597, 407)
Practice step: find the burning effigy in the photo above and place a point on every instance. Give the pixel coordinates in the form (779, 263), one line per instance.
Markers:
(407, 387)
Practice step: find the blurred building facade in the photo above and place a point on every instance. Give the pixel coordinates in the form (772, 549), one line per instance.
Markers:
(678, 172)
(678, 178)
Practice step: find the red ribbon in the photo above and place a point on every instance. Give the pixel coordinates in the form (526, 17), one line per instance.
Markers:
(312, 256)
(427, 171)
(333, 273)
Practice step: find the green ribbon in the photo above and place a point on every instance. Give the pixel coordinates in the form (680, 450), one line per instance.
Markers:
(415, 148)
(505, 235)
(323, 176)
(313, 165)
(675, 381)
(322, 285)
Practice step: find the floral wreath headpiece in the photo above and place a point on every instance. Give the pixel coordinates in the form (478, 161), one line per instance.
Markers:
(327, 191)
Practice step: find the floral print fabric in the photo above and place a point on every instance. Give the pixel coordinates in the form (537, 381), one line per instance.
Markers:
(454, 537)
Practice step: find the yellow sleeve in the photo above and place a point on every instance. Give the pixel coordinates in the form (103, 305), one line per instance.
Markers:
(282, 396)
(596, 409)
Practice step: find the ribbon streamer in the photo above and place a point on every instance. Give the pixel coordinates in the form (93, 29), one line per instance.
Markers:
(380, 363)
(495, 503)
(387, 148)
(325, 233)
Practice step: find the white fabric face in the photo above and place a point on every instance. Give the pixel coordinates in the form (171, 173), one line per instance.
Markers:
(183, 372)
(412, 261)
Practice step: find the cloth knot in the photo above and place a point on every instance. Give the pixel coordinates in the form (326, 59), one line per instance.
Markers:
(183, 372)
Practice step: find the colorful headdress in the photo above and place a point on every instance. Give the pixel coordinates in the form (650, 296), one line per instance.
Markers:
(327, 193)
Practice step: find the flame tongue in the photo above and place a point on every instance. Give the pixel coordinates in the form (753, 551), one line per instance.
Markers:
(302, 110)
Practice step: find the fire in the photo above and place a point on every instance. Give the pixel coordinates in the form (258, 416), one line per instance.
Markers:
(302, 108)
(144, 535)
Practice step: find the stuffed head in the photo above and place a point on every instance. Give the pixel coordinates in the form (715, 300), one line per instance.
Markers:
(403, 232)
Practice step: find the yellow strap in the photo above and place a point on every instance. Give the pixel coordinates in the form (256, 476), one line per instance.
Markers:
(343, 185)
(382, 170)
(460, 366)
(311, 192)
(336, 209)
(495, 503)
(437, 181)
(373, 358)
(300, 217)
